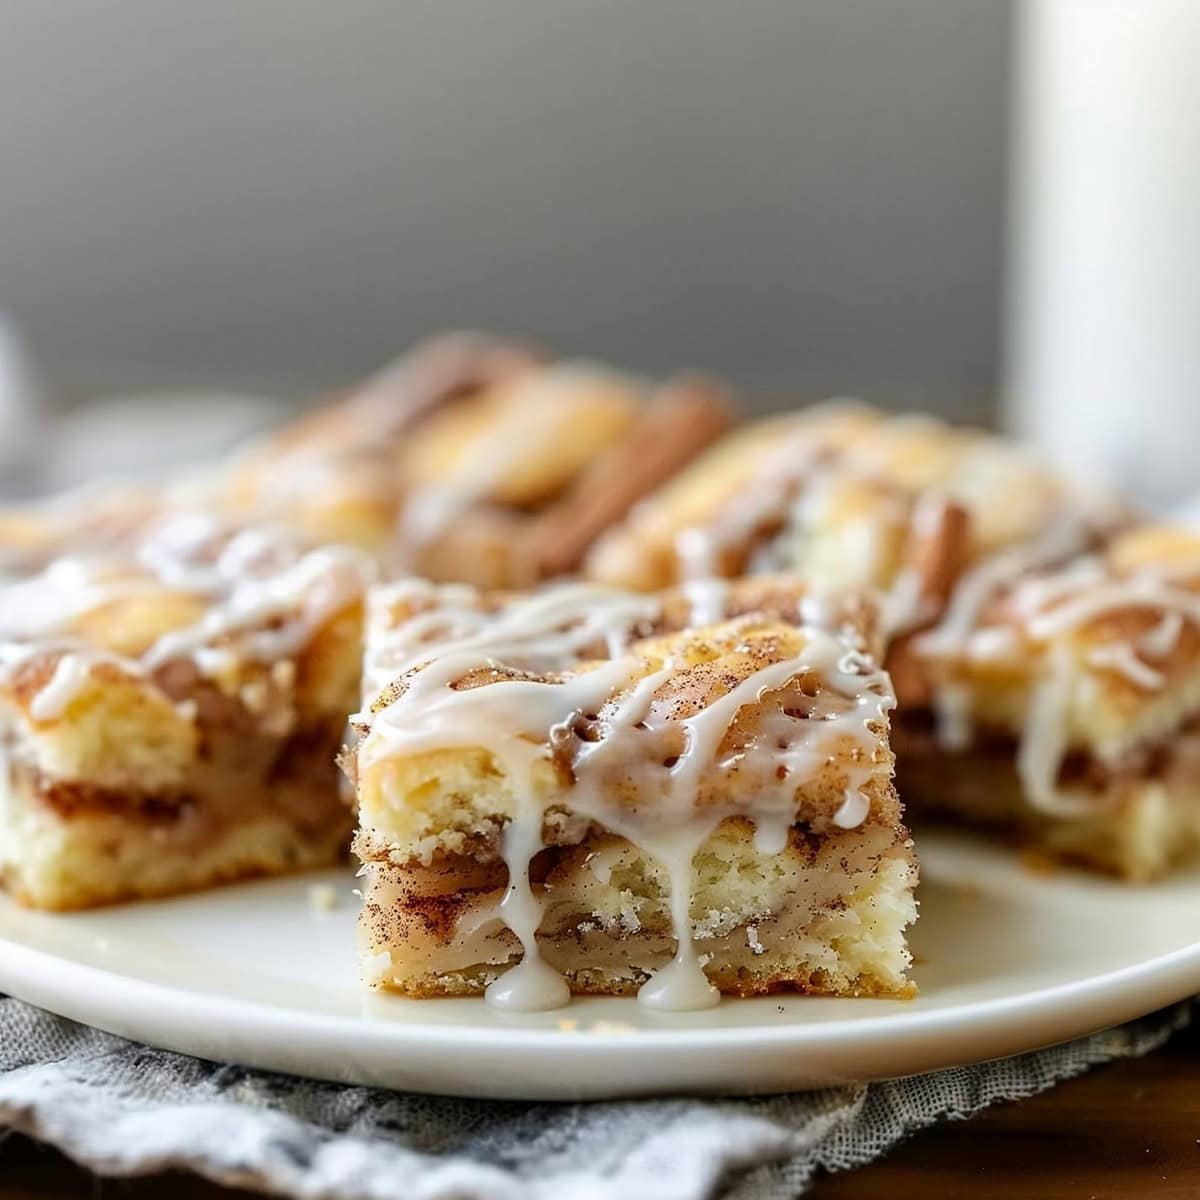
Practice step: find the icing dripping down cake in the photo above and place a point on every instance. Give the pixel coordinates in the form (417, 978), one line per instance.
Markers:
(588, 790)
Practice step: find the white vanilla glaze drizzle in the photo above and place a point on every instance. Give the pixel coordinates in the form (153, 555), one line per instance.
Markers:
(1138, 591)
(1042, 611)
(631, 736)
(797, 484)
(958, 633)
(41, 605)
(255, 607)
(905, 605)
(532, 985)
(262, 590)
(762, 500)
(1163, 638)
(1062, 537)
(1122, 658)
(70, 674)
(853, 811)
(1044, 739)
(708, 598)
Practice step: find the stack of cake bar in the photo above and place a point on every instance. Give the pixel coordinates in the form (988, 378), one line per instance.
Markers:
(623, 684)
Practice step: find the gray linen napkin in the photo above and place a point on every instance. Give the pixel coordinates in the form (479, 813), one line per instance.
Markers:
(125, 1109)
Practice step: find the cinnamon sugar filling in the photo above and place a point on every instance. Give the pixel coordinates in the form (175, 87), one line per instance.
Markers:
(296, 778)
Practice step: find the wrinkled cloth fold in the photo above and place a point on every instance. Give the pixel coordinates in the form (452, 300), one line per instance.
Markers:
(125, 1109)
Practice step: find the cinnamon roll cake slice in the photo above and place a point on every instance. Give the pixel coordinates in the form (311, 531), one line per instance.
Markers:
(850, 498)
(475, 458)
(1067, 708)
(588, 790)
(170, 711)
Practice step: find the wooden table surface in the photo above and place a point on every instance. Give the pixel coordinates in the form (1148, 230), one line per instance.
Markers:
(1126, 1129)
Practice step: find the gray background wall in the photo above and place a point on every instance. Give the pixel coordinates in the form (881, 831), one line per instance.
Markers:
(282, 193)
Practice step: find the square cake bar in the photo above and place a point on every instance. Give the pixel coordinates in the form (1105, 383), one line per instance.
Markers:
(1067, 708)
(587, 790)
(473, 459)
(170, 711)
(850, 498)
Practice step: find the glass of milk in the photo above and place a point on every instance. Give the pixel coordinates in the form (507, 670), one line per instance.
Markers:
(1103, 354)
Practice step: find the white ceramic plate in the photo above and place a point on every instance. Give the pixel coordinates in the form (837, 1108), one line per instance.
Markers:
(1007, 961)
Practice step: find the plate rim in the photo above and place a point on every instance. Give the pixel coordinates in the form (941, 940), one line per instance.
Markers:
(28, 973)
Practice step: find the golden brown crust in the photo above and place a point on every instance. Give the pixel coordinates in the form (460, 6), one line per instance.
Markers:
(731, 981)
